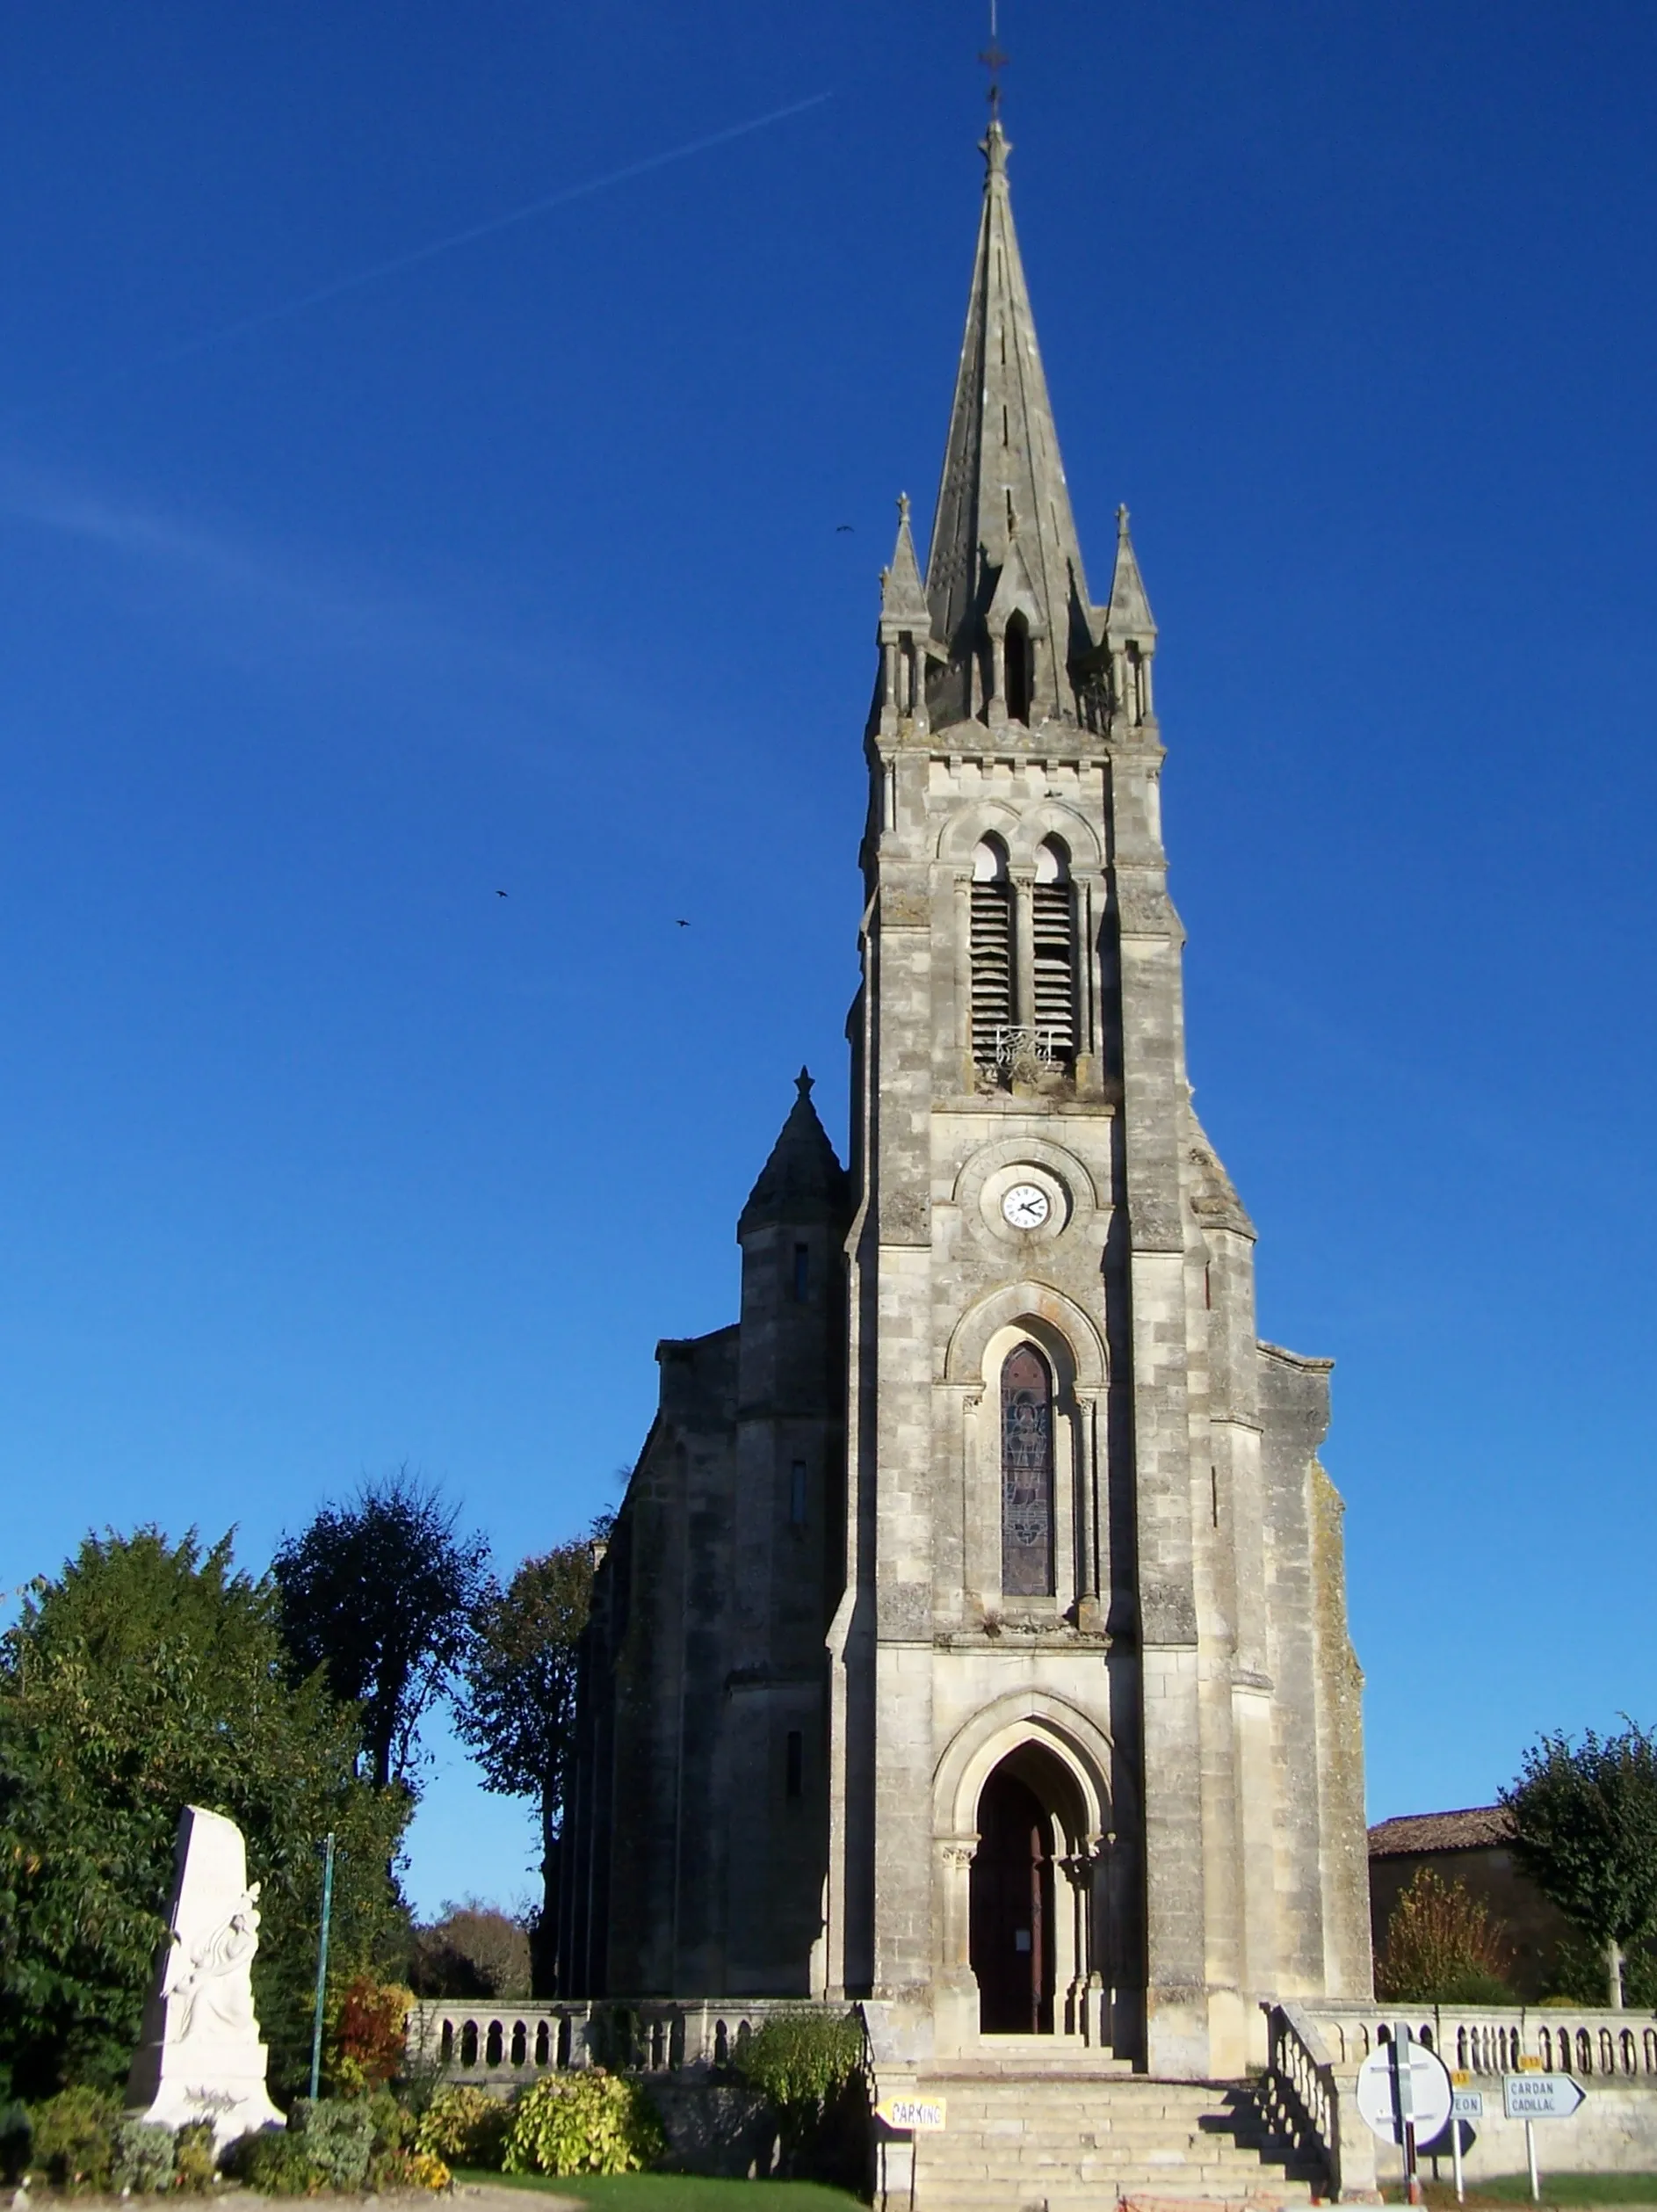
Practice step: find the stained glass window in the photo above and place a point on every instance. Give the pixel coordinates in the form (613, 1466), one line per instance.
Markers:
(1026, 1475)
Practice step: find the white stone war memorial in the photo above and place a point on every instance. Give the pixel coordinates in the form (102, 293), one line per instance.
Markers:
(970, 1646)
(200, 2056)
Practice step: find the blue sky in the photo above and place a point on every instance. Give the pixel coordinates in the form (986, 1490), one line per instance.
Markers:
(518, 566)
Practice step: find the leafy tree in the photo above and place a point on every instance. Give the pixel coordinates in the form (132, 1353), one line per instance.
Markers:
(150, 1676)
(1443, 1946)
(472, 1950)
(518, 1709)
(380, 1592)
(1585, 1831)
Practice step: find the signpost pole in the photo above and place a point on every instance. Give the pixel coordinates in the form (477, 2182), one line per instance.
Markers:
(1404, 2105)
(1529, 2152)
(1455, 2157)
(321, 1965)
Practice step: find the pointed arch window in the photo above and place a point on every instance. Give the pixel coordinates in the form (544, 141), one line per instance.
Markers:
(1026, 1475)
(1019, 661)
(1053, 944)
(992, 949)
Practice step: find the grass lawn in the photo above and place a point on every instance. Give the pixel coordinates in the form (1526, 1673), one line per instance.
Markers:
(677, 2192)
(1557, 2189)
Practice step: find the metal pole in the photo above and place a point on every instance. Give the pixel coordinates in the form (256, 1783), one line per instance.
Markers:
(1455, 2154)
(321, 1965)
(1529, 2152)
(1404, 2105)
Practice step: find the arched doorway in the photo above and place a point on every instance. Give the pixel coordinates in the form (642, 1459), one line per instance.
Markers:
(1012, 1926)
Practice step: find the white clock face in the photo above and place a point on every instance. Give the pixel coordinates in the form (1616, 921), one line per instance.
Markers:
(1026, 1206)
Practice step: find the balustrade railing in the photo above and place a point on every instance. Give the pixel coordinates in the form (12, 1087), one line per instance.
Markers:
(1299, 2099)
(1488, 2040)
(501, 2045)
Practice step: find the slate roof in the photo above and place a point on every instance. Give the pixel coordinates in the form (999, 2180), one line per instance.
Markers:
(1476, 1828)
(803, 1180)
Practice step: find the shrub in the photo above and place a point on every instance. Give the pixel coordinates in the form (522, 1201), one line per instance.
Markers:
(465, 2126)
(587, 2122)
(16, 2136)
(1442, 1946)
(802, 2063)
(143, 2160)
(194, 2157)
(410, 2170)
(370, 2032)
(274, 2164)
(799, 2059)
(338, 2137)
(393, 2123)
(75, 2139)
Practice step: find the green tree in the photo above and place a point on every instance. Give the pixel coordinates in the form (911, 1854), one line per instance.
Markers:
(1585, 1831)
(518, 1711)
(150, 1676)
(1443, 1946)
(380, 1592)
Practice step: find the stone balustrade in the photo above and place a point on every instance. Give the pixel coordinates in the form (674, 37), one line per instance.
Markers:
(1484, 2040)
(503, 2045)
(1315, 2048)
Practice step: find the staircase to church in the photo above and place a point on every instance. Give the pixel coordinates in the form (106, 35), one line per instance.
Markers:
(1081, 2136)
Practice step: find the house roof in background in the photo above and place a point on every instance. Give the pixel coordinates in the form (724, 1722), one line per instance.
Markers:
(1475, 1828)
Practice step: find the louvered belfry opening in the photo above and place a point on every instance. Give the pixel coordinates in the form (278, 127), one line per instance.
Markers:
(1053, 939)
(991, 951)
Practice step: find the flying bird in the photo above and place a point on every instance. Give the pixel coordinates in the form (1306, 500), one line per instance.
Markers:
(839, 527)
(683, 924)
(500, 895)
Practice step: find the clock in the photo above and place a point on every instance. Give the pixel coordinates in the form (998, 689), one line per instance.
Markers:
(1025, 1206)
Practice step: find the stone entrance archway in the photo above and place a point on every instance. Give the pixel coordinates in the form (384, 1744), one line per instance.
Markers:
(1012, 1911)
(1025, 1833)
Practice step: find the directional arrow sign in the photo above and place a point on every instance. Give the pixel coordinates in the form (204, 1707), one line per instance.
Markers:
(1540, 2096)
(921, 2115)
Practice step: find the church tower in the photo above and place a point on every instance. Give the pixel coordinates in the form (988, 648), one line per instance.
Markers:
(1095, 1766)
(971, 1639)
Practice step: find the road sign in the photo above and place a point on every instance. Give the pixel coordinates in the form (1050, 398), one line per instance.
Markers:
(1469, 2104)
(1428, 2092)
(1540, 2096)
(921, 2115)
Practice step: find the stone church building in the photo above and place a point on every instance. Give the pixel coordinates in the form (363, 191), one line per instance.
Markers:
(972, 1636)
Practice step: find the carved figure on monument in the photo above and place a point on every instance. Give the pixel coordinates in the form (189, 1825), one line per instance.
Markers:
(200, 2058)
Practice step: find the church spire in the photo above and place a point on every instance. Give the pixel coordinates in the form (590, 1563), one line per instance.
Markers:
(1007, 593)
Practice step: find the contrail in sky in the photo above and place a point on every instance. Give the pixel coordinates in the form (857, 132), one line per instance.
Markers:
(416, 255)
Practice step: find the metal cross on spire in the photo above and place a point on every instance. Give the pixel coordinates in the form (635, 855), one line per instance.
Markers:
(995, 61)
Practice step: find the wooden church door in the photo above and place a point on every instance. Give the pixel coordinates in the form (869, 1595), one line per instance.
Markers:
(1011, 1923)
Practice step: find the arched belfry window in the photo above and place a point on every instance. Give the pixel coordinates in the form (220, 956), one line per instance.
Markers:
(1020, 663)
(992, 949)
(1026, 1475)
(1053, 939)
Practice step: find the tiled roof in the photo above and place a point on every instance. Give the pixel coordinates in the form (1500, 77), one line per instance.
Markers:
(1476, 1828)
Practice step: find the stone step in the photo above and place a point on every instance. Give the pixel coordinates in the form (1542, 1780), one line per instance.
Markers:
(1002, 2055)
(1015, 2142)
(1103, 2195)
